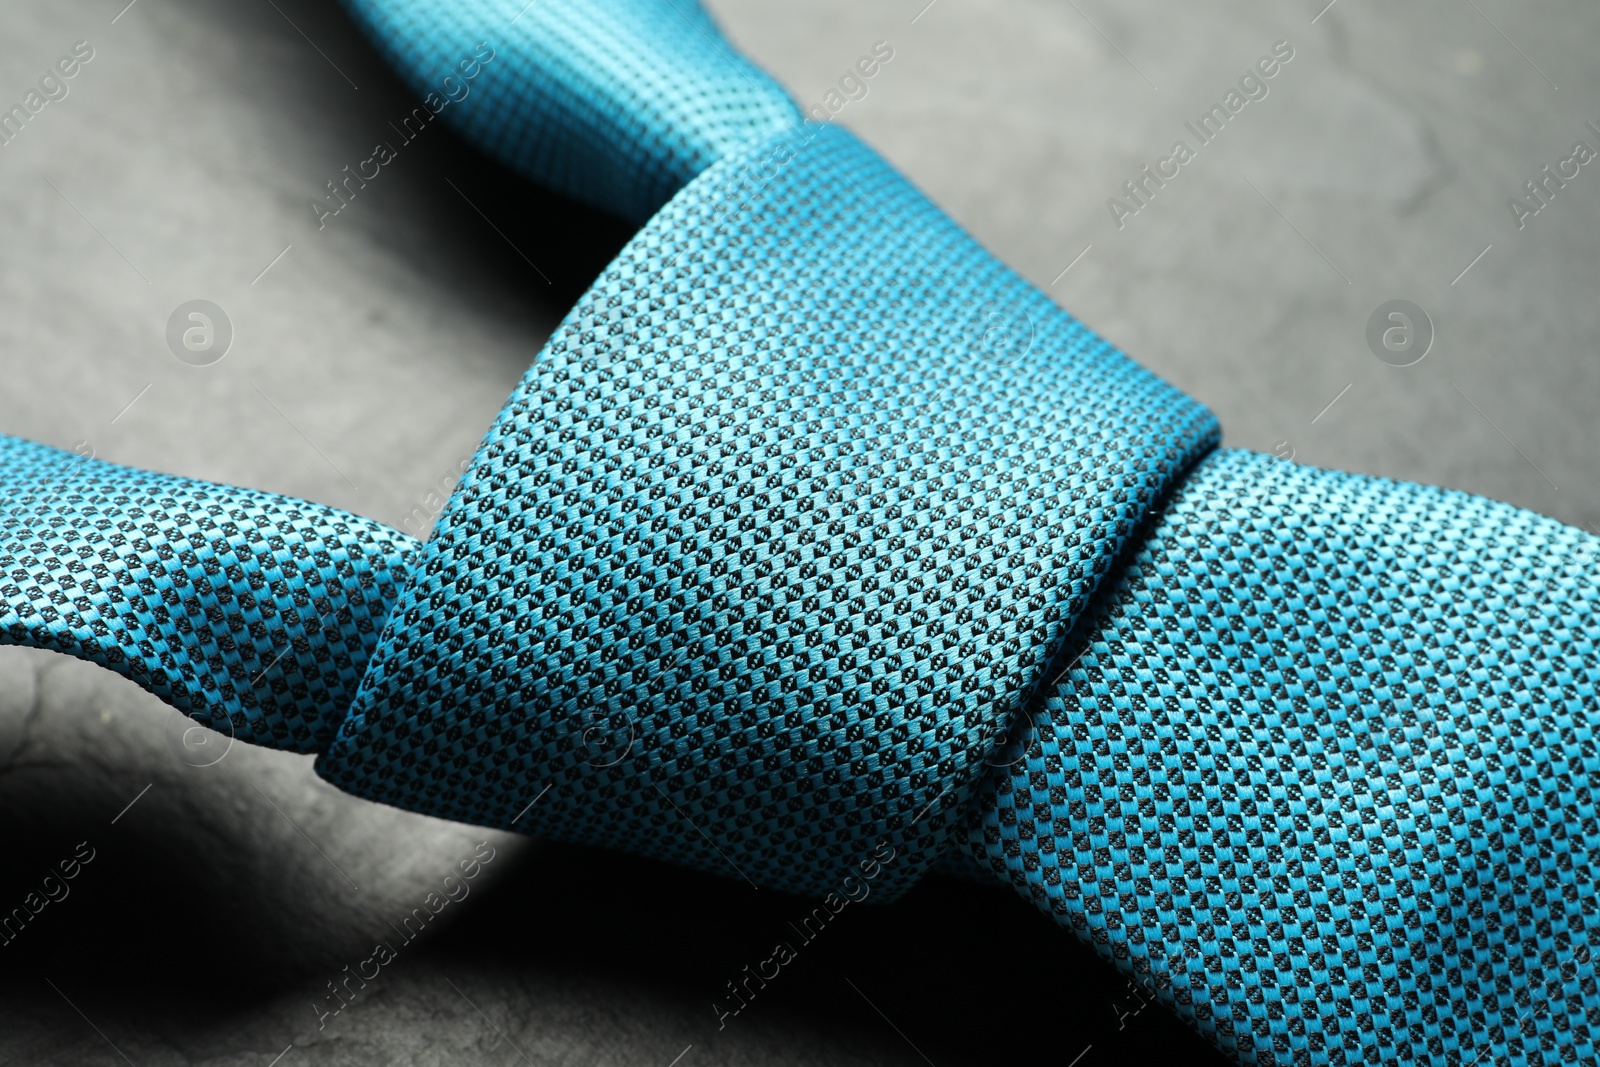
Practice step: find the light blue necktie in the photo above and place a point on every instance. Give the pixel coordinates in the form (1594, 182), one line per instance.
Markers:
(817, 543)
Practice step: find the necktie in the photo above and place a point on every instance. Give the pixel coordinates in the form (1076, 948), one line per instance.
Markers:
(817, 546)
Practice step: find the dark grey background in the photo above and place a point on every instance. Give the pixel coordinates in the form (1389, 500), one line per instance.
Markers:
(370, 358)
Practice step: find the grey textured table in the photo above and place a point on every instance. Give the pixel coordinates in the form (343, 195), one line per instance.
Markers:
(369, 357)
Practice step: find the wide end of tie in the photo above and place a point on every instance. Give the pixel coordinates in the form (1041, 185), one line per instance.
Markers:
(1321, 771)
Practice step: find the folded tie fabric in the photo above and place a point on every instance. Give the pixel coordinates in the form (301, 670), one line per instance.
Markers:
(816, 538)
(1322, 771)
(251, 613)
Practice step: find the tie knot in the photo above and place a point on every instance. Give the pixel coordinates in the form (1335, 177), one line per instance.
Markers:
(773, 541)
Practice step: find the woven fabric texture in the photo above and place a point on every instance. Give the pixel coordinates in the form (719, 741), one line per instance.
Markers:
(770, 544)
(616, 104)
(253, 613)
(815, 530)
(1321, 774)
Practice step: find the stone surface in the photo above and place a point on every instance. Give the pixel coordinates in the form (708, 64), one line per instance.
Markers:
(371, 356)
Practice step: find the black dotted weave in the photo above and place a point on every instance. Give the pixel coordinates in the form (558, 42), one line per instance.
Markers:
(617, 104)
(253, 613)
(1323, 776)
(767, 548)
